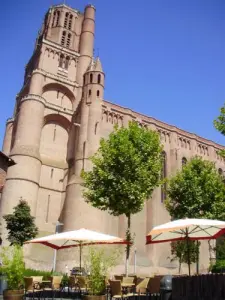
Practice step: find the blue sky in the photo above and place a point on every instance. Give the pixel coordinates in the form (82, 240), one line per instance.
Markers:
(163, 58)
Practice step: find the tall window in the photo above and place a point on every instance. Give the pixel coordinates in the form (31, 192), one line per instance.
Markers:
(98, 93)
(70, 22)
(63, 38)
(68, 40)
(89, 93)
(67, 62)
(99, 78)
(57, 18)
(61, 61)
(163, 176)
(66, 20)
(53, 20)
(184, 161)
(91, 78)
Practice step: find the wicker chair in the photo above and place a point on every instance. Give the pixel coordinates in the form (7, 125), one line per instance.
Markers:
(116, 290)
(82, 283)
(31, 288)
(142, 288)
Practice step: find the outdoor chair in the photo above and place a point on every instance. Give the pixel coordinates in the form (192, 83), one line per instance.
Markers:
(142, 288)
(128, 280)
(118, 277)
(73, 286)
(82, 284)
(30, 289)
(116, 290)
(37, 280)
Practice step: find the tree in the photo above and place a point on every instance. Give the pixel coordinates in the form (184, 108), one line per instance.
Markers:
(126, 170)
(197, 191)
(179, 251)
(219, 124)
(20, 224)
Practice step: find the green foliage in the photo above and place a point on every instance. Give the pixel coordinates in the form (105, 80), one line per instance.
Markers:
(197, 191)
(99, 262)
(126, 170)
(20, 224)
(13, 266)
(218, 267)
(179, 251)
(33, 272)
(220, 249)
(219, 124)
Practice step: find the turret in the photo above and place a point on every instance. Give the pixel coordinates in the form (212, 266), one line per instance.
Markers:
(86, 45)
(93, 95)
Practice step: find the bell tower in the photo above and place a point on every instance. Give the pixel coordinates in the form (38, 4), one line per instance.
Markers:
(37, 135)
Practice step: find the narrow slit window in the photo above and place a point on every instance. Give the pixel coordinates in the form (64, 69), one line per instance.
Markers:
(68, 40)
(99, 78)
(98, 93)
(91, 78)
(66, 20)
(70, 22)
(63, 38)
(89, 93)
(57, 19)
(54, 133)
(57, 94)
(52, 171)
(163, 176)
(47, 212)
(84, 151)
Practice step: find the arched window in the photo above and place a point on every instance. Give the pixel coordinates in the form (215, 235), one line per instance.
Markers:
(67, 62)
(163, 176)
(89, 93)
(61, 61)
(70, 22)
(68, 40)
(91, 78)
(184, 161)
(63, 38)
(57, 18)
(53, 20)
(66, 20)
(99, 78)
(98, 93)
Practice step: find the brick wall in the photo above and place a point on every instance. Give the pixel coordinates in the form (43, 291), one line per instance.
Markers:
(4, 163)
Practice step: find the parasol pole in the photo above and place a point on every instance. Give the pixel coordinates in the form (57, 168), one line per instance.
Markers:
(188, 253)
(80, 255)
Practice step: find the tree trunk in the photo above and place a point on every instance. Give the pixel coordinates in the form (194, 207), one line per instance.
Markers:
(128, 238)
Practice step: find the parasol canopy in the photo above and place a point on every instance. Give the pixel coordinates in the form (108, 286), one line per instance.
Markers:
(76, 238)
(186, 229)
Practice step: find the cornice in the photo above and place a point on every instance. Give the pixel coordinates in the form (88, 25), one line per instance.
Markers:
(146, 120)
(60, 48)
(56, 77)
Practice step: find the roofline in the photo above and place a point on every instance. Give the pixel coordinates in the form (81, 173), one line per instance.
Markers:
(171, 127)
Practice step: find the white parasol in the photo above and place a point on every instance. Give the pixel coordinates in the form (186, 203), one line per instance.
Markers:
(186, 229)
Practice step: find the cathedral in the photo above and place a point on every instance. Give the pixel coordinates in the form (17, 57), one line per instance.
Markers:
(59, 117)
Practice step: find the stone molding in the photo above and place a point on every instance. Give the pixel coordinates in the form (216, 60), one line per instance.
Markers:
(25, 150)
(145, 120)
(56, 77)
(60, 48)
(33, 97)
